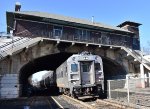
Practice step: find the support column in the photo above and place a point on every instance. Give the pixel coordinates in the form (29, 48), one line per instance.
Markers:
(142, 76)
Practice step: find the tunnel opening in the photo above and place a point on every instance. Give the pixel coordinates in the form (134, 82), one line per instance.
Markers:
(49, 62)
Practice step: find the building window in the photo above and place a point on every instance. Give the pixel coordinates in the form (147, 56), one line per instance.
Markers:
(57, 31)
(82, 34)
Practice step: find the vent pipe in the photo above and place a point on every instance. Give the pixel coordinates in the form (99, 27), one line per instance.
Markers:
(17, 6)
(92, 19)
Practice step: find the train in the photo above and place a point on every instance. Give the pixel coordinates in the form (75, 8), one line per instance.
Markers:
(81, 75)
(45, 85)
(48, 80)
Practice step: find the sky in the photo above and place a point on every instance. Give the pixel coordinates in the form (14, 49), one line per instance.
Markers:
(111, 12)
(38, 75)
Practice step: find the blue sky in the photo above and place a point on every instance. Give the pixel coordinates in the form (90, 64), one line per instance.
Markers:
(112, 12)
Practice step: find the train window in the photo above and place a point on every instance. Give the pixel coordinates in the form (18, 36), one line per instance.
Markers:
(97, 67)
(74, 67)
(85, 67)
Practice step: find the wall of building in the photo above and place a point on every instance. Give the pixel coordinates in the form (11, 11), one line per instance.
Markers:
(36, 29)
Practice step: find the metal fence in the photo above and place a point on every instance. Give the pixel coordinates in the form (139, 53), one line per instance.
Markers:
(131, 91)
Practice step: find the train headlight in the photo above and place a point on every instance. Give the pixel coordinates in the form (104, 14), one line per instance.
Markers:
(74, 82)
(85, 58)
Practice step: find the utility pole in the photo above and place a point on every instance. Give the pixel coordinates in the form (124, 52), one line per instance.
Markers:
(142, 70)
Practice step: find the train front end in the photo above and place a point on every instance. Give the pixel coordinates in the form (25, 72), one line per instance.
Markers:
(86, 76)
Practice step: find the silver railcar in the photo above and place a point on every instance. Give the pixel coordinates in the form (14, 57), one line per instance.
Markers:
(48, 80)
(81, 75)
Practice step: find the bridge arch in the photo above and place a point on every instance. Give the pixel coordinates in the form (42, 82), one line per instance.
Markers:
(48, 62)
(52, 61)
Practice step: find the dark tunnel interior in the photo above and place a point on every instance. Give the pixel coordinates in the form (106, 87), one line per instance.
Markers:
(51, 62)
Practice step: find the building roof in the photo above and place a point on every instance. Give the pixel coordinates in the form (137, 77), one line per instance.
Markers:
(69, 19)
(129, 23)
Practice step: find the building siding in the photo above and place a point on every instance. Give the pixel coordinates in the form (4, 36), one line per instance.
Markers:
(36, 29)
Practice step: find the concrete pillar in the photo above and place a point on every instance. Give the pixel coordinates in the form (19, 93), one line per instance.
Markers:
(142, 76)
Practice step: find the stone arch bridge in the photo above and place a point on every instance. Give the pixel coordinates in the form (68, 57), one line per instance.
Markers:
(22, 58)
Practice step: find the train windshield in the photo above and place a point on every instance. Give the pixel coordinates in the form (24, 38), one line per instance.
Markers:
(74, 67)
(85, 67)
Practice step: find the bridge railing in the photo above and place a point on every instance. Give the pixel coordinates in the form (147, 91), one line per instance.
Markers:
(16, 45)
(10, 45)
(137, 57)
(11, 40)
(131, 91)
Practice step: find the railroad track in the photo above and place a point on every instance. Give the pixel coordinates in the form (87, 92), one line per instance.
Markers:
(58, 102)
(71, 103)
(67, 103)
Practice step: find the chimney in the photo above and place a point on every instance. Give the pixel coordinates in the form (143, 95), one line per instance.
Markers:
(92, 19)
(131, 26)
(17, 6)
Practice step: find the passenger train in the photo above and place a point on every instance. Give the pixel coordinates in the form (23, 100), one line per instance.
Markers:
(48, 81)
(81, 75)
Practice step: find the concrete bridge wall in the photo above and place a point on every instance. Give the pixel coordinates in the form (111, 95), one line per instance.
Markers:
(48, 55)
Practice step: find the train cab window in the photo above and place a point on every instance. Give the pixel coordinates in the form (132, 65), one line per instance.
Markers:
(97, 67)
(85, 67)
(74, 67)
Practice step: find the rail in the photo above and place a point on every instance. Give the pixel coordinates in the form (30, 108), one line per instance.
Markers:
(137, 57)
(96, 104)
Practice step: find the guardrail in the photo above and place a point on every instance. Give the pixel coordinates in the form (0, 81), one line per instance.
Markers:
(137, 57)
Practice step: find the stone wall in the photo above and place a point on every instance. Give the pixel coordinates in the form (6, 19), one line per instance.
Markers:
(9, 86)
